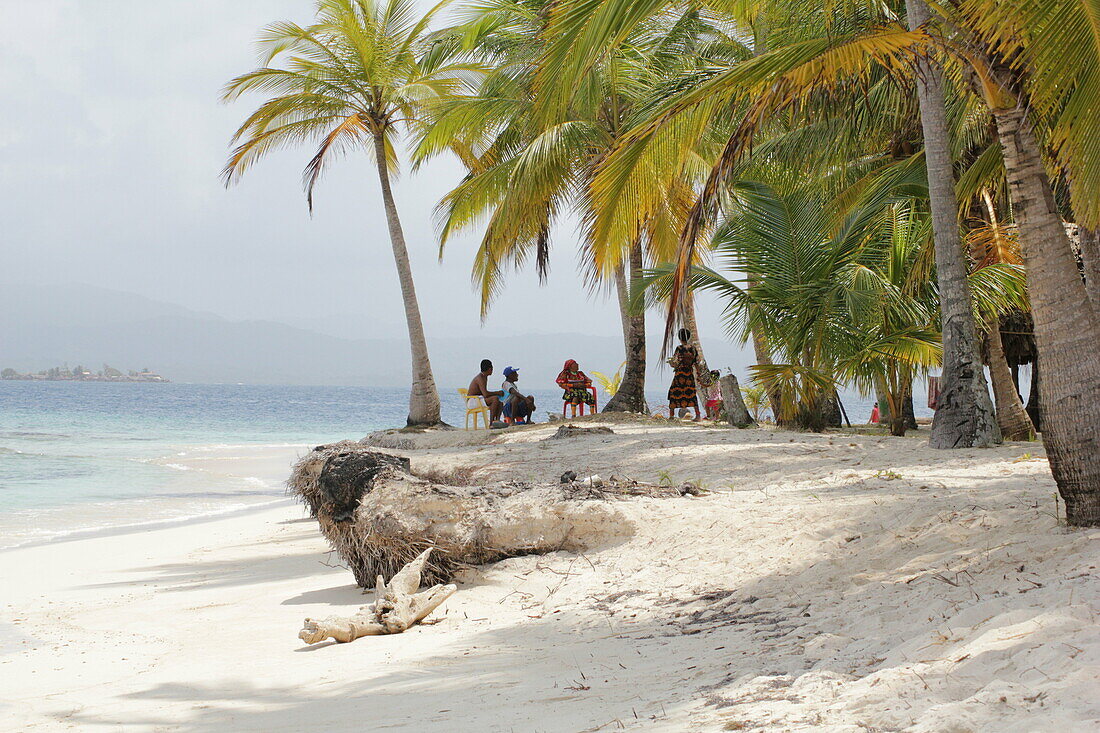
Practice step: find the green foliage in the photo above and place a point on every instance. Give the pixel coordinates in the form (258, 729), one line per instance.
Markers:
(610, 385)
(756, 400)
(530, 167)
(768, 152)
(852, 302)
(345, 82)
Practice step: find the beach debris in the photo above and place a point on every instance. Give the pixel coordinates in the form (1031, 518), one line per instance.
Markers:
(397, 607)
(573, 431)
(690, 488)
(568, 476)
(348, 475)
(733, 402)
(404, 439)
(398, 515)
(621, 487)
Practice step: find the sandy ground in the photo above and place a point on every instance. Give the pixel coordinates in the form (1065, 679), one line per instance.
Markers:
(830, 582)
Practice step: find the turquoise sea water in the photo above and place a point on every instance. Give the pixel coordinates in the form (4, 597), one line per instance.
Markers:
(95, 456)
(80, 456)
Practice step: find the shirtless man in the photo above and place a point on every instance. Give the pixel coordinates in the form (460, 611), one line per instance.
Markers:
(479, 387)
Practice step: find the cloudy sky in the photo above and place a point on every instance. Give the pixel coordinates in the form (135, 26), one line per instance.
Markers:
(111, 142)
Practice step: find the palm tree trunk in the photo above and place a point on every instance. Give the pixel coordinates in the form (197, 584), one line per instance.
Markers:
(423, 397)
(1067, 333)
(763, 356)
(881, 392)
(895, 405)
(908, 411)
(702, 370)
(1090, 257)
(964, 418)
(622, 294)
(1011, 418)
(631, 394)
(759, 345)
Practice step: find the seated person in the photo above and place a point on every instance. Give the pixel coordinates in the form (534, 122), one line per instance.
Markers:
(518, 407)
(712, 395)
(576, 384)
(479, 387)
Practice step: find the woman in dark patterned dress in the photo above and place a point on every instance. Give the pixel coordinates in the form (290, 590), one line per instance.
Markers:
(682, 391)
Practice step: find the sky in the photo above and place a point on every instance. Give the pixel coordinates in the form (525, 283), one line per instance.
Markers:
(112, 139)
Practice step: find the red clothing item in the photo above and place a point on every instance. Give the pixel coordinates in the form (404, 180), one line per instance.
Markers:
(571, 377)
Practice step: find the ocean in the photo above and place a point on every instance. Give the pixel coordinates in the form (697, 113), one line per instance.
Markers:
(80, 457)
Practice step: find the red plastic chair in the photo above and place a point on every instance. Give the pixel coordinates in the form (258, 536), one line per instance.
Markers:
(582, 406)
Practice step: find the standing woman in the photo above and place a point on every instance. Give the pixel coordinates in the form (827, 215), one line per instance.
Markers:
(682, 391)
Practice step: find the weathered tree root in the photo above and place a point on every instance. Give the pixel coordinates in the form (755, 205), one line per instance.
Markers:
(397, 606)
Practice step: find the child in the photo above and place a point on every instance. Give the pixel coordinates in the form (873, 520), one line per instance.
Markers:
(712, 394)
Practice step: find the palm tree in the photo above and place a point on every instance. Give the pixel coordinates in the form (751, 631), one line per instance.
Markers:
(851, 305)
(967, 418)
(1053, 58)
(990, 242)
(892, 304)
(854, 304)
(527, 171)
(964, 416)
(347, 82)
(1041, 80)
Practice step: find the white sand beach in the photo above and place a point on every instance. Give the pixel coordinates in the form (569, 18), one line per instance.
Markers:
(828, 582)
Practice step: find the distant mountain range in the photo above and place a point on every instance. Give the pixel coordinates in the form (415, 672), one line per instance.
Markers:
(41, 327)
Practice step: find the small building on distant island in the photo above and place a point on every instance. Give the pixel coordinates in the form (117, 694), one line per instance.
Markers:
(80, 374)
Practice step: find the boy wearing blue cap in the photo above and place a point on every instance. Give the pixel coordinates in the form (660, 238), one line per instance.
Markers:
(518, 407)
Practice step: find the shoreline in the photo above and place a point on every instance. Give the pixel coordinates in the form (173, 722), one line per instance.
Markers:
(76, 535)
(827, 582)
(256, 473)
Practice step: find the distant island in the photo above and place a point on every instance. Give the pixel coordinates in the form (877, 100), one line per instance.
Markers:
(80, 374)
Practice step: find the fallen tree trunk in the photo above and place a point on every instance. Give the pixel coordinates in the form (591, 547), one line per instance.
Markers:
(378, 516)
(397, 606)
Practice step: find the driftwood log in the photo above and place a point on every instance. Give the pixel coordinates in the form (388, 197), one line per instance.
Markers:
(397, 606)
(573, 431)
(378, 516)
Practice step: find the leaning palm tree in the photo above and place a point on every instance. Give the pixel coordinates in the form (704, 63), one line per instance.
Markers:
(345, 83)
